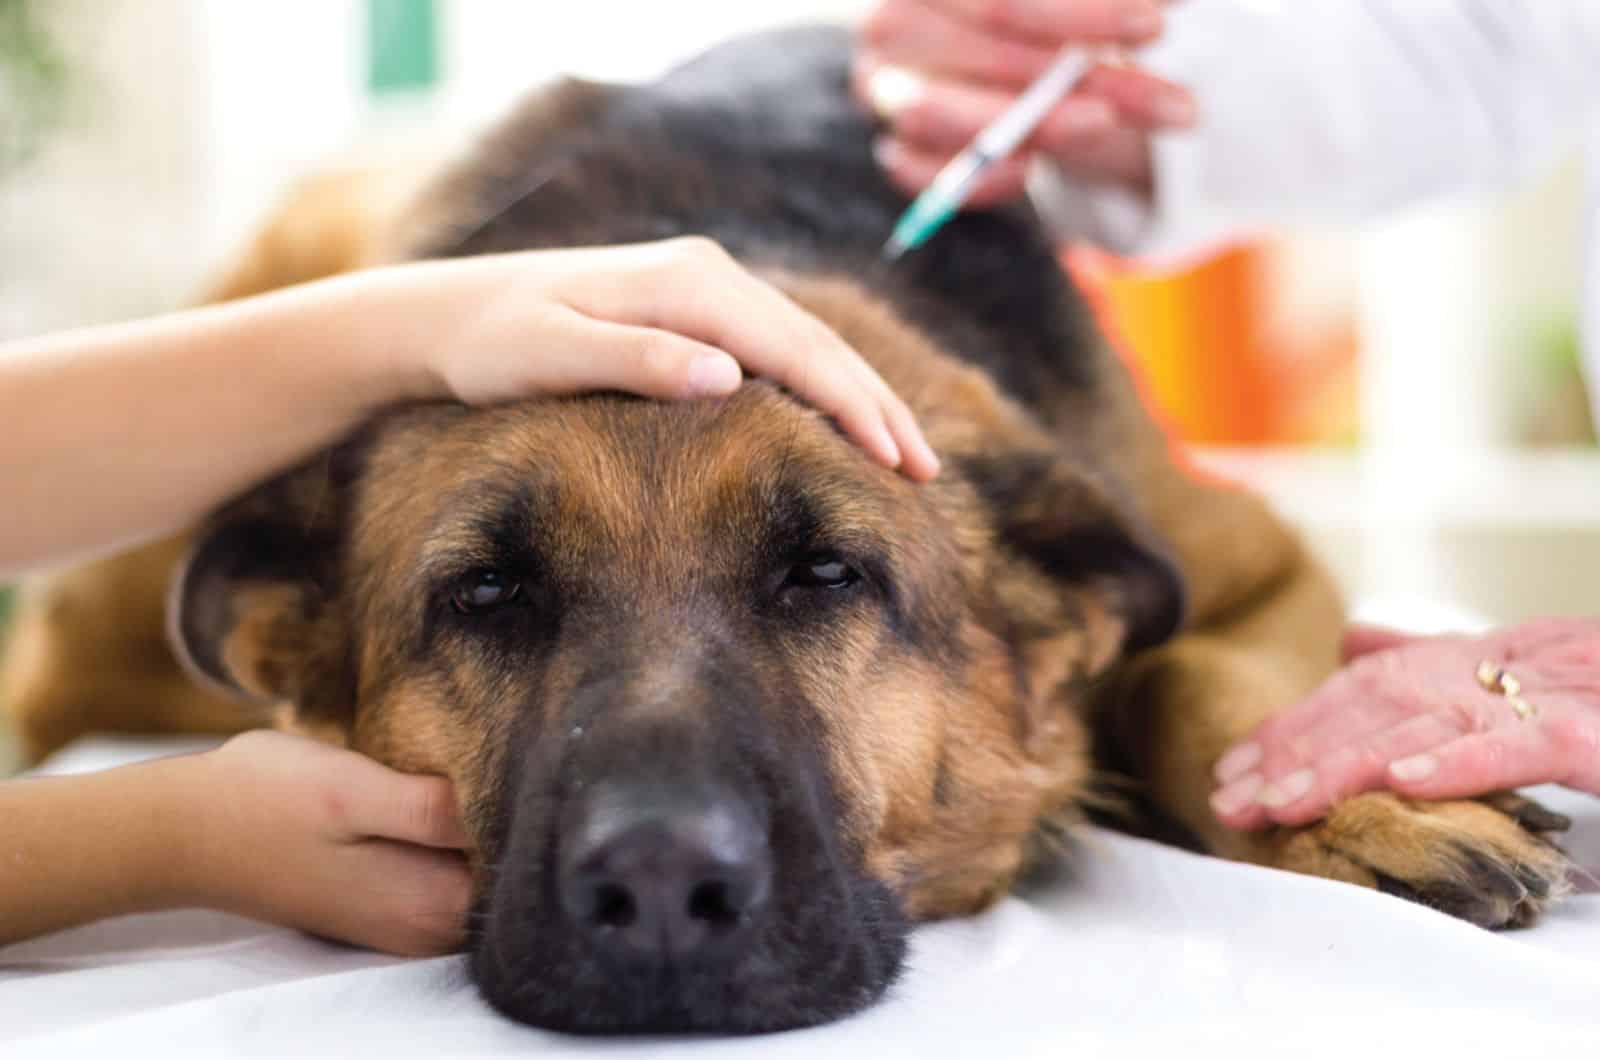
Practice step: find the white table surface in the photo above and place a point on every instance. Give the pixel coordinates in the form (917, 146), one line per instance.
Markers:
(1144, 950)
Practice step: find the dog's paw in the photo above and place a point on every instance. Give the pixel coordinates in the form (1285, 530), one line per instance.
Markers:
(1489, 861)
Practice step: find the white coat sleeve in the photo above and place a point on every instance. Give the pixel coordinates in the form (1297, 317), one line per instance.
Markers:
(1343, 110)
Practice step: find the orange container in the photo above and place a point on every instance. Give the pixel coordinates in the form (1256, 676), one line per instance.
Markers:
(1213, 356)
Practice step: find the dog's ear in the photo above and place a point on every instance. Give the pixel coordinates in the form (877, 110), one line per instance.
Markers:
(1069, 540)
(1073, 529)
(1076, 580)
(253, 608)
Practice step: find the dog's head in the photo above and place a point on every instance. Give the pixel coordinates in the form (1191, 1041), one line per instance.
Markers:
(726, 705)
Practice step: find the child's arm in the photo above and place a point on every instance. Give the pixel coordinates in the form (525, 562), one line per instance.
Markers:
(118, 434)
(269, 825)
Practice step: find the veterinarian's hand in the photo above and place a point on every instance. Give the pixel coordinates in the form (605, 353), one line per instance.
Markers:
(938, 71)
(300, 833)
(674, 319)
(1411, 714)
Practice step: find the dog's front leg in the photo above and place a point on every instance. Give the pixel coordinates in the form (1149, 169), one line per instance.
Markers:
(1174, 711)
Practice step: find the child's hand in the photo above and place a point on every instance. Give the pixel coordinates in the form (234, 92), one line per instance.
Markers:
(674, 319)
(120, 433)
(297, 832)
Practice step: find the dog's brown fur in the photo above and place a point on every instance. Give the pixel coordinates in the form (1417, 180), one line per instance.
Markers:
(948, 830)
(88, 651)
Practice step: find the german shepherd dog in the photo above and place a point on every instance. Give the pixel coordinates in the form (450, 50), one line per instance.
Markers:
(728, 706)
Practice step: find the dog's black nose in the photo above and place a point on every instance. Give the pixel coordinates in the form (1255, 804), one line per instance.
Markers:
(652, 878)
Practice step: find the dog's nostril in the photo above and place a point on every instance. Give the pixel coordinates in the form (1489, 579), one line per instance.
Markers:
(713, 903)
(613, 906)
(643, 881)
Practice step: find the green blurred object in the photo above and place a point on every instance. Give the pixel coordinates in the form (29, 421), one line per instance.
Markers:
(403, 45)
(1552, 394)
(33, 76)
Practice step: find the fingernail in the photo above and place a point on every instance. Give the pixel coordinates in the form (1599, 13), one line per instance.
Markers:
(1292, 788)
(1175, 109)
(1417, 767)
(1237, 762)
(891, 89)
(1141, 23)
(712, 374)
(1236, 796)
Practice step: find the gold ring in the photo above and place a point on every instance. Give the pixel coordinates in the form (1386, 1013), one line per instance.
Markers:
(1493, 677)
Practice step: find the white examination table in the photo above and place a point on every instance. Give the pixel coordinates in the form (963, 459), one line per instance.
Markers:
(1142, 950)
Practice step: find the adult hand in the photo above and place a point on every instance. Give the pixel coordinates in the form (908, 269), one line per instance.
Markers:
(938, 71)
(1410, 714)
(674, 319)
(297, 832)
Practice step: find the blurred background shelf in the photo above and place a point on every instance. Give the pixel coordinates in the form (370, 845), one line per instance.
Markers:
(1498, 534)
(1506, 489)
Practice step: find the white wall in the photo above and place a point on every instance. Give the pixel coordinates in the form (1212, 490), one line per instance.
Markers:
(191, 115)
(496, 49)
(96, 226)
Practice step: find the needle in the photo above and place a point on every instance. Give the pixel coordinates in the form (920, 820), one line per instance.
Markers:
(949, 190)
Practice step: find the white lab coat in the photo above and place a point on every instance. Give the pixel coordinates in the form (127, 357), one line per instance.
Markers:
(1347, 110)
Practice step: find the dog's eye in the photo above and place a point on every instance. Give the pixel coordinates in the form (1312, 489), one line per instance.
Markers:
(824, 570)
(484, 590)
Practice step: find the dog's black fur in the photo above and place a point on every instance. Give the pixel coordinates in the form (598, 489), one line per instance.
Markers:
(759, 145)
